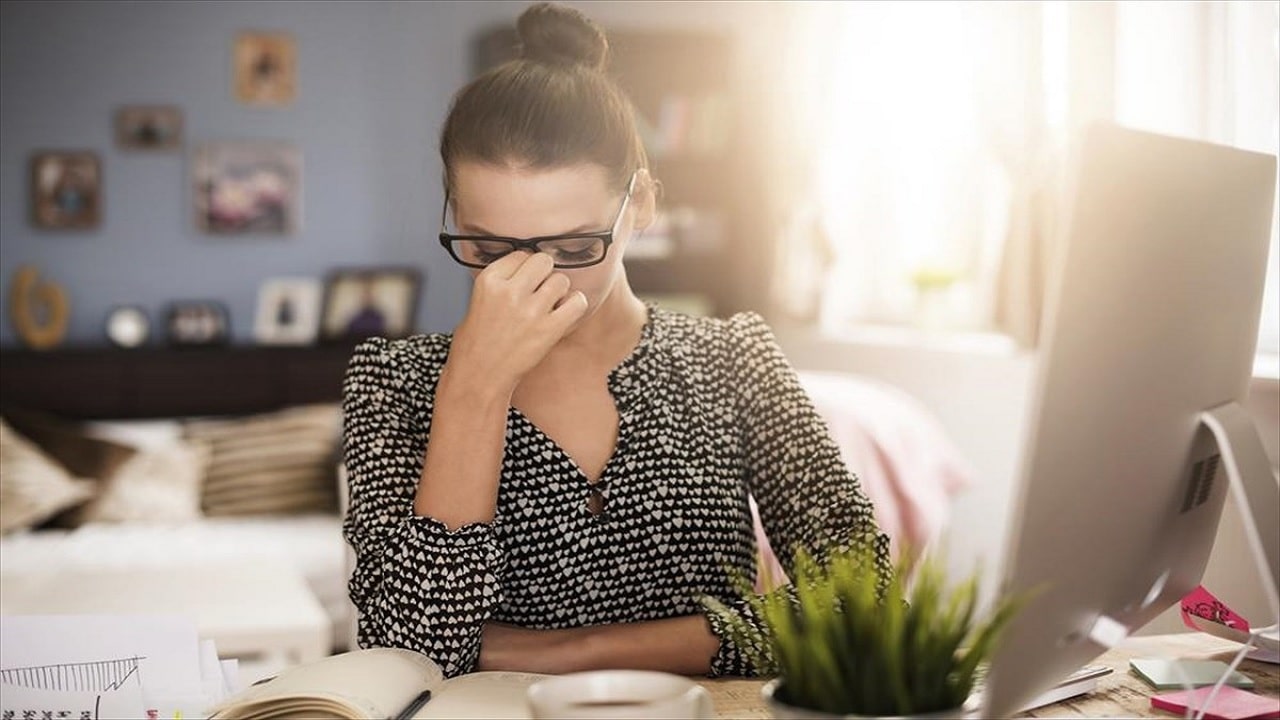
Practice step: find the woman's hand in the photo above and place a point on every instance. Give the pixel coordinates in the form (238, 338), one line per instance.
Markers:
(519, 310)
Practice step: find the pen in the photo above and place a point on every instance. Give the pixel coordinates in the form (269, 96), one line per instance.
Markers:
(412, 708)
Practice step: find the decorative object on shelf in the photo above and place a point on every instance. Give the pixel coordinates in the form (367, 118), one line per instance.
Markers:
(846, 641)
(265, 68)
(149, 127)
(288, 311)
(362, 302)
(248, 188)
(66, 190)
(128, 326)
(39, 309)
(198, 323)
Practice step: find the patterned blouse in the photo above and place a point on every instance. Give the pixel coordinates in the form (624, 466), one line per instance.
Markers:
(709, 411)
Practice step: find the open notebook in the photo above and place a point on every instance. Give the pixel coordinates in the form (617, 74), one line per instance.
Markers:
(380, 683)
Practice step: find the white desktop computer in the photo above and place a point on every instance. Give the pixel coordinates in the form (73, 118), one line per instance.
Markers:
(1137, 430)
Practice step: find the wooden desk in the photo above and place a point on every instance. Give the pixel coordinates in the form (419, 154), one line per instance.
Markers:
(1120, 694)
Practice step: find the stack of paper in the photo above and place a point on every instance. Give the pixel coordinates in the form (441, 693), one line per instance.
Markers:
(1163, 674)
(109, 666)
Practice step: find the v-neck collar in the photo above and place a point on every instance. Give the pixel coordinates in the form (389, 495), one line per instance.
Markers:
(627, 385)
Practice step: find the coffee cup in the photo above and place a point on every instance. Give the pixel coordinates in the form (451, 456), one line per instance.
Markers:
(609, 694)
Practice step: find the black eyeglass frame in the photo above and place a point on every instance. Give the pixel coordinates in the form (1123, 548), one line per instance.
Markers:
(447, 239)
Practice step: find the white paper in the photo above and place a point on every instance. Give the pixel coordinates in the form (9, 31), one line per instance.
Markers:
(230, 677)
(100, 666)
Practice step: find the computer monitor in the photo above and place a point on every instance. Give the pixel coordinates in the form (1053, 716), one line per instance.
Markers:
(1151, 322)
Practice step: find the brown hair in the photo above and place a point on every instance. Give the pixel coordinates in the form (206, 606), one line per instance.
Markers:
(552, 107)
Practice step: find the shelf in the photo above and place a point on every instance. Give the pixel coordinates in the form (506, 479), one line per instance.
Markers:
(107, 382)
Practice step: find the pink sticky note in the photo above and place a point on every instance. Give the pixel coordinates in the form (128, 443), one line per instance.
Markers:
(1202, 604)
(1229, 704)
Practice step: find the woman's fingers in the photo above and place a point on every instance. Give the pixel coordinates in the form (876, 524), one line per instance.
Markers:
(532, 272)
(568, 312)
(552, 290)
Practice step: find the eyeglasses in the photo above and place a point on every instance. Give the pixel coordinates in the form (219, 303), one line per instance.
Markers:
(570, 250)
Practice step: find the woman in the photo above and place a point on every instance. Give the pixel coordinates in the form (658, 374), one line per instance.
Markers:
(555, 486)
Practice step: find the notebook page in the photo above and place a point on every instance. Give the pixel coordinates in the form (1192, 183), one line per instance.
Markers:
(378, 681)
(477, 696)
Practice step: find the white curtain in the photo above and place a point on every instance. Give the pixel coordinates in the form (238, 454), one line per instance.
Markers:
(930, 136)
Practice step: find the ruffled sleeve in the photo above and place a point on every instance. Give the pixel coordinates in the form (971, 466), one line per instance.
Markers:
(807, 497)
(417, 584)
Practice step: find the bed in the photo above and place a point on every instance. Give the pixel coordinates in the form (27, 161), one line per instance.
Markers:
(152, 395)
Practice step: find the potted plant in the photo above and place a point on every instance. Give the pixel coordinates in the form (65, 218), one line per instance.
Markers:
(845, 641)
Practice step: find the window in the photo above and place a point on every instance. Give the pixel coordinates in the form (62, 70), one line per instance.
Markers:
(939, 125)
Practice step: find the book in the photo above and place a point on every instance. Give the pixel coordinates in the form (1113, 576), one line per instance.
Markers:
(1163, 674)
(380, 683)
(1229, 704)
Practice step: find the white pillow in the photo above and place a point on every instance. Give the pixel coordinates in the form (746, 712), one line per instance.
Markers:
(142, 434)
(33, 487)
(160, 485)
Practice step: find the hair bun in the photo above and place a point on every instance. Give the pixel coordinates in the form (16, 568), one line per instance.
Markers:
(557, 35)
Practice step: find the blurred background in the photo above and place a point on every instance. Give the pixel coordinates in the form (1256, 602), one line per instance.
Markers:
(882, 181)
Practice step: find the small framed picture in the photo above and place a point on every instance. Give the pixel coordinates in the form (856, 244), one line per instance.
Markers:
(364, 302)
(66, 190)
(149, 127)
(265, 68)
(192, 323)
(288, 311)
(248, 188)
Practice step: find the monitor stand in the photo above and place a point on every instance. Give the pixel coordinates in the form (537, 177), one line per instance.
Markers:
(1257, 493)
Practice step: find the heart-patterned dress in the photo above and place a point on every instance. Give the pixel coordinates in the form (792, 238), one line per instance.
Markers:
(709, 412)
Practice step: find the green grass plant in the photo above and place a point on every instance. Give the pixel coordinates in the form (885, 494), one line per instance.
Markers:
(846, 641)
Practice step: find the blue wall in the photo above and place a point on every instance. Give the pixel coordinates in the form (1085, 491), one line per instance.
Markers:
(374, 84)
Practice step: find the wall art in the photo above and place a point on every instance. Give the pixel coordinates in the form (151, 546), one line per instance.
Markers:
(149, 127)
(265, 68)
(66, 190)
(248, 188)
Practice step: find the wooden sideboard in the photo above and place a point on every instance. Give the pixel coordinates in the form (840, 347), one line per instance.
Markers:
(94, 382)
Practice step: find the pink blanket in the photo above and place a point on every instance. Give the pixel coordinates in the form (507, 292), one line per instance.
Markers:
(907, 464)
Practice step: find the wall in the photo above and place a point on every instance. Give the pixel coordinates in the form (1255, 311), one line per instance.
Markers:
(364, 129)
(374, 79)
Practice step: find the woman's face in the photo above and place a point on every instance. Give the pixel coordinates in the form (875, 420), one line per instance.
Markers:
(519, 203)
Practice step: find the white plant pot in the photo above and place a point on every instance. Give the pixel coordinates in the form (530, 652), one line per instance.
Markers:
(782, 711)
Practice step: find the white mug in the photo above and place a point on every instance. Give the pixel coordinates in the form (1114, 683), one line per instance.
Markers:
(619, 694)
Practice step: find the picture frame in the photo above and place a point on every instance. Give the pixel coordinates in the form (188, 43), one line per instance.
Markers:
(288, 311)
(264, 68)
(66, 190)
(197, 323)
(148, 127)
(364, 302)
(245, 188)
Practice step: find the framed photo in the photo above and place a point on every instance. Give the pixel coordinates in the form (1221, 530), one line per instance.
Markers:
(265, 68)
(248, 188)
(66, 190)
(288, 311)
(149, 127)
(363, 302)
(197, 323)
